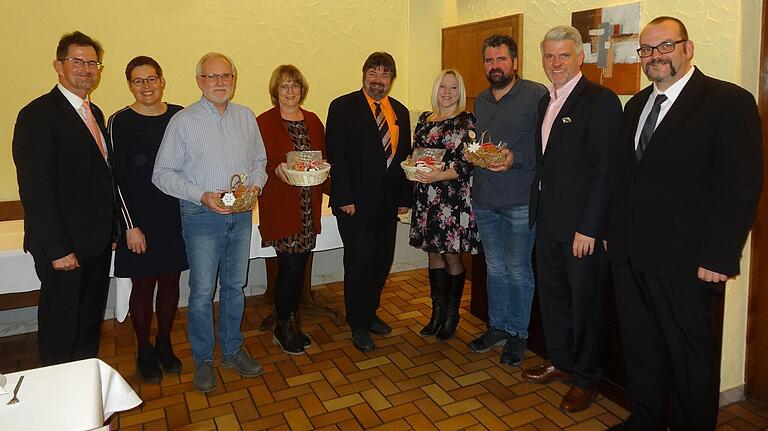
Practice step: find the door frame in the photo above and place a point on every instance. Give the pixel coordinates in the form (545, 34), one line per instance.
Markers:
(756, 386)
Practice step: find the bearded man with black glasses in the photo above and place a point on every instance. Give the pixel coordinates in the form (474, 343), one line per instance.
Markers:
(688, 178)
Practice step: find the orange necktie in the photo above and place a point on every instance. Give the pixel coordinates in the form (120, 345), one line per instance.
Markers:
(93, 127)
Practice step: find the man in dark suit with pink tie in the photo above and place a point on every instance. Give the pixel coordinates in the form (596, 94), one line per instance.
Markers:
(66, 189)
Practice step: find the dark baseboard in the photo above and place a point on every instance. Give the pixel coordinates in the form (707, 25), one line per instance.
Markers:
(11, 210)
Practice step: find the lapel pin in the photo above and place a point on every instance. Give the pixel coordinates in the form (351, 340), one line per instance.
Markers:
(566, 120)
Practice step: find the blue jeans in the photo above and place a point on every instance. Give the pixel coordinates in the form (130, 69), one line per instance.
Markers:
(215, 243)
(508, 245)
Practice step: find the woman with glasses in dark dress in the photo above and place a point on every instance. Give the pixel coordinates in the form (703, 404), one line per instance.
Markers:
(151, 250)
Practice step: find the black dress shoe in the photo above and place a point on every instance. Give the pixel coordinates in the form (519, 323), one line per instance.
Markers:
(362, 340)
(619, 427)
(378, 327)
(165, 356)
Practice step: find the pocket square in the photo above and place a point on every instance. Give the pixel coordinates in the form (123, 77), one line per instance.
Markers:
(566, 120)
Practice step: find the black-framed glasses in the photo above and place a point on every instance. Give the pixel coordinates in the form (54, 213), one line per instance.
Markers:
(79, 62)
(663, 48)
(151, 80)
(214, 77)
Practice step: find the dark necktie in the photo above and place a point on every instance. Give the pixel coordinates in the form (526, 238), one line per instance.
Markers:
(649, 126)
(386, 139)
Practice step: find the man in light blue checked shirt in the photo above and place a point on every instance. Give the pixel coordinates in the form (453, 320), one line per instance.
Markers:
(203, 146)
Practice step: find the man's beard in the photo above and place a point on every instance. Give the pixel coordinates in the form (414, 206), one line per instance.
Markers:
(501, 81)
(655, 78)
(377, 90)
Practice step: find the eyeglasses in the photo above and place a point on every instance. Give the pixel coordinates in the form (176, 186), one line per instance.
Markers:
(214, 77)
(79, 62)
(292, 86)
(663, 48)
(151, 80)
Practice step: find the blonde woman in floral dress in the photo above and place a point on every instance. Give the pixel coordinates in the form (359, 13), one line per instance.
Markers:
(442, 223)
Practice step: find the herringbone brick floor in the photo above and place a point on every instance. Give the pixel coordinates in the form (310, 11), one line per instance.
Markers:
(408, 382)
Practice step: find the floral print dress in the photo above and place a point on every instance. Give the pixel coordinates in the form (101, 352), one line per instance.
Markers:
(442, 219)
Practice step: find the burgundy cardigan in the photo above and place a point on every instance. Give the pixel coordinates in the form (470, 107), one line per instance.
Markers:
(279, 203)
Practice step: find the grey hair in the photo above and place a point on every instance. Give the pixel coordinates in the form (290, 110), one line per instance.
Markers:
(210, 55)
(563, 32)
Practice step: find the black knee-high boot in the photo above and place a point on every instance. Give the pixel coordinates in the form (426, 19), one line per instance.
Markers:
(438, 291)
(455, 287)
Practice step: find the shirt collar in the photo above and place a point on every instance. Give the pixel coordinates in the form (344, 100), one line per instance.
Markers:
(72, 98)
(488, 93)
(565, 90)
(371, 100)
(208, 105)
(675, 89)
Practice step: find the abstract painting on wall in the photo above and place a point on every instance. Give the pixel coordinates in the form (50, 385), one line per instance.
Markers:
(611, 37)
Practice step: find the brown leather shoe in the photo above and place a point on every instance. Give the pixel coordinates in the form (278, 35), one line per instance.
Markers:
(578, 399)
(545, 373)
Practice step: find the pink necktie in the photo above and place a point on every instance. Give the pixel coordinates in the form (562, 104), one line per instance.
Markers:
(93, 127)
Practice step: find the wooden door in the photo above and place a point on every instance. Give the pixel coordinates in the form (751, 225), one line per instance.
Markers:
(462, 50)
(757, 321)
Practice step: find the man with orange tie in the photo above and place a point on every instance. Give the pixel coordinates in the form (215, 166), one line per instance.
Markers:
(66, 189)
(367, 135)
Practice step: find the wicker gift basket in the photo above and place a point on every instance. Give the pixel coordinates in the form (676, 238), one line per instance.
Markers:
(240, 197)
(306, 168)
(423, 159)
(483, 153)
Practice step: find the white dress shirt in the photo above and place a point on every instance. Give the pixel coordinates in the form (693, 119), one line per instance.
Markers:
(672, 93)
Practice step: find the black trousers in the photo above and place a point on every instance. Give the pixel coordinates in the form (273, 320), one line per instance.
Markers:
(369, 249)
(289, 283)
(71, 309)
(570, 297)
(672, 354)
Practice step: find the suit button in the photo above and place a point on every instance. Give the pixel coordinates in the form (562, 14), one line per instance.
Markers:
(633, 218)
(635, 180)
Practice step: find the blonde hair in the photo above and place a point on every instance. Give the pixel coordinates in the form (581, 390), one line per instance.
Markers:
(287, 72)
(462, 103)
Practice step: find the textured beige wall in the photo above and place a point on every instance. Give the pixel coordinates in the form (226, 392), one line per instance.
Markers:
(328, 40)
(726, 36)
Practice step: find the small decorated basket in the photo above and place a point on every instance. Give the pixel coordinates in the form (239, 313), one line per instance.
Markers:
(482, 153)
(241, 197)
(423, 160)
(306, 178)
(306, 168)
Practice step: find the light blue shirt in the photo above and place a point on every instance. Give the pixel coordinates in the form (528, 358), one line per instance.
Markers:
(202, 148)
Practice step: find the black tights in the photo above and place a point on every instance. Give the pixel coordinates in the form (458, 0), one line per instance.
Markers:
(450, 261)
(290, 282)
(142, 294)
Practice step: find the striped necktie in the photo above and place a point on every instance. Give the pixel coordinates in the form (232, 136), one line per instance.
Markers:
(386, 139)
(93, 127)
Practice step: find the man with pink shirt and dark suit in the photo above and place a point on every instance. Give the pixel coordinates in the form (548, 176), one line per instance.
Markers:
(570, 196)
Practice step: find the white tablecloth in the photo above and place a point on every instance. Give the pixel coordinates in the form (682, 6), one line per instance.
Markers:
(18, 268)
(78, 395)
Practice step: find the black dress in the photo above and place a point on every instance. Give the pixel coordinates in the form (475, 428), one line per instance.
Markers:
(442, 219)
(135, 139)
